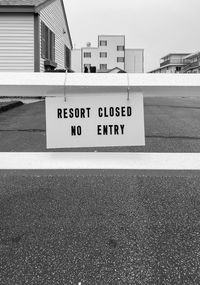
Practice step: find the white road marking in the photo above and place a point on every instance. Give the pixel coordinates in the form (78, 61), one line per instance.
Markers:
(97, 160)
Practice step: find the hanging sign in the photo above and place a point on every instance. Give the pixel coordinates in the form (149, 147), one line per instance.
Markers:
(95, 120)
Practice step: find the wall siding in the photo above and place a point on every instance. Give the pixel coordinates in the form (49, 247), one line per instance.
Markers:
(53, 17)
(16, 42)
(134, 60)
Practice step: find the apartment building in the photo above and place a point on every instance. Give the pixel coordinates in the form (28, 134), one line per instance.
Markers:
(111, 55)
(171, 63)
(179, 63)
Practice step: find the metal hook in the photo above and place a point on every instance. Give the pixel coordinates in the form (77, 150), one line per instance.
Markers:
(128, 88)
(128, 91)
(65, 96)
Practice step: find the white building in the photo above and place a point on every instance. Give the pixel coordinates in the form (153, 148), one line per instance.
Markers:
(179, 63)
(34, 36)
(192, 63)
(110, 56)
(171, 63)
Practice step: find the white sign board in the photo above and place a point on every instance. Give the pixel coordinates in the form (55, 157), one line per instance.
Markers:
(95, 120)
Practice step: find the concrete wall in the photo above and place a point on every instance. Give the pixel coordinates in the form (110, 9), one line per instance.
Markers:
(16, 42)
(134, 60)
(53, 17)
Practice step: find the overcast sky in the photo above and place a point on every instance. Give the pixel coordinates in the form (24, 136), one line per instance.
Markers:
(158, 26)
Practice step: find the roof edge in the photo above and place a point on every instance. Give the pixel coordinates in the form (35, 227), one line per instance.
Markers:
(43, 5)
(175, 53)
(62, 3)
(47, 3)
(17, 9)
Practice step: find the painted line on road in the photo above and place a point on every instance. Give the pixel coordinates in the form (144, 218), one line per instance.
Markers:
(101, 160)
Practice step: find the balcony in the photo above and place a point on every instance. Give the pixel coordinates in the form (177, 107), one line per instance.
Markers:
(171, 61)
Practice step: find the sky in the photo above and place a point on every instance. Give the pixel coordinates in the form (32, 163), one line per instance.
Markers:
(157, 26)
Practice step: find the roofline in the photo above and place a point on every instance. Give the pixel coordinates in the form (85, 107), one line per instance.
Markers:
(116, 67)
(47, 3)
(111, 36)
(67, 23)
(193, 55)
(134, 49)
(176, 53)
(43, 5)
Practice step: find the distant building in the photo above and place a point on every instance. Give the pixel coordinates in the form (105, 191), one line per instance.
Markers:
(171, 63)
(34, 36)
(192, 63)
(110, 56)
(179, 63)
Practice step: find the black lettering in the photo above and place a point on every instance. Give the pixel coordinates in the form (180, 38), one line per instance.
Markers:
(111, 128)
(76, 130)
(88, 112)
(79, 130)
(59, 113)
(105, 112)
(105, 130)
(82, 113)
(73, 130)
(100, 112)
(111, 111)
(77, 113)
(117, 111)
(116, 129)
(65, 113)
(123, 114)
(122, 129)
(99, 130)
(129, 111)
(71, 115)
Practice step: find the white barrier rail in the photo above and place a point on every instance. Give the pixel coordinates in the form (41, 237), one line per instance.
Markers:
(53, 84)
(81, 160)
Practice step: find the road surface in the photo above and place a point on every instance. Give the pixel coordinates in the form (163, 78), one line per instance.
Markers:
(171, 125)
(85, 227)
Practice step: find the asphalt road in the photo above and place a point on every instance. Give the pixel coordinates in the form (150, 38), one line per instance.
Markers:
(102, 227)
(99, 227)
(171, 125)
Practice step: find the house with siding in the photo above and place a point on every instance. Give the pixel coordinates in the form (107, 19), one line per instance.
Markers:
(34, 36)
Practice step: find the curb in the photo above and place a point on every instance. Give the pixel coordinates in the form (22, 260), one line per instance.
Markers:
(10, 105)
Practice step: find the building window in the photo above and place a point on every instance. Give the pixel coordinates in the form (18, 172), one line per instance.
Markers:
(67, 58)
(103, 66)
(103, 54)
(103, 43)
(47, 43)
(87, 54)
(120, 48)
(120, 59)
